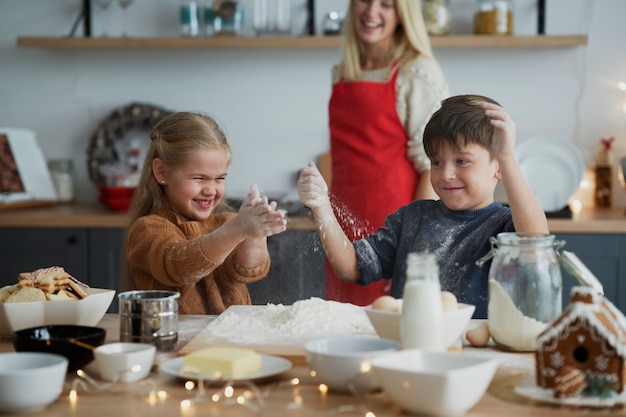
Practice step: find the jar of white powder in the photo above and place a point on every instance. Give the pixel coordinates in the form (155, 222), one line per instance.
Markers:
(525, 288)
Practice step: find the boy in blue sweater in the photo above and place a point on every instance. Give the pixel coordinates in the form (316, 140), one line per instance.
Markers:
(470, 141)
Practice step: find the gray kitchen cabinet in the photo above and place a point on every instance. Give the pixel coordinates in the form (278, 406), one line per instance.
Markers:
(94, 256)
(26, 249)
(90, 255)
(604, 255)
(296, 272)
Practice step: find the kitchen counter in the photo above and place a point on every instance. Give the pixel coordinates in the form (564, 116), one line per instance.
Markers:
(160, 395)
(609, 221)
(89, 215)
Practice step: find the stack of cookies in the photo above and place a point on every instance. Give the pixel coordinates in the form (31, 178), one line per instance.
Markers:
(43, 284)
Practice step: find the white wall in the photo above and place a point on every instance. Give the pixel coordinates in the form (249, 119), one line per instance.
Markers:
(273, 103)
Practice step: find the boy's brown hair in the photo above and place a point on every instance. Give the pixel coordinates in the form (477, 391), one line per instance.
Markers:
(460, 120)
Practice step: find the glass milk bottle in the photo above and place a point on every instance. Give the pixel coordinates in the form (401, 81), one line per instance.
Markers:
(421, 319)
(525, 288)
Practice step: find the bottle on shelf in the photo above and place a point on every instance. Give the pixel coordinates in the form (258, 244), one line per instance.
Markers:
(189, 18)
(421, 319)
(604, 173)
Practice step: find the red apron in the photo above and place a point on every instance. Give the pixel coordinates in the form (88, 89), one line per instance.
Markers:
(371, 174)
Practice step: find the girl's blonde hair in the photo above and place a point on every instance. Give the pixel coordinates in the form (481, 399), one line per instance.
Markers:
(173, 140)
(410, 39)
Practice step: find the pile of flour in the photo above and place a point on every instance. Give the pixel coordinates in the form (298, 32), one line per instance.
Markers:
(290, 324)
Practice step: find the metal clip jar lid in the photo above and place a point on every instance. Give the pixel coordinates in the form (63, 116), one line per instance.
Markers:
(577, 269)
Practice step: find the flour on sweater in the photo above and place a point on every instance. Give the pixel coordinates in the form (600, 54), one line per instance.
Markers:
(290, 324)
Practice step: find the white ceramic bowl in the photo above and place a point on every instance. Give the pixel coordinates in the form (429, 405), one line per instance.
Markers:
(126, 362)
(85, 312)
(432, 383)
(387, 323)
(343, 362)
(30, 381)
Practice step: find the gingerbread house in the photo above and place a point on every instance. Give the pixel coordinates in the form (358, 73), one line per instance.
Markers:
(584, 350)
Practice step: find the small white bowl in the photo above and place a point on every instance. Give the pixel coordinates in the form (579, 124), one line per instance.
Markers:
(343, 362)
(433, 383)
(125, 362)
(387, 323)
(30, 381)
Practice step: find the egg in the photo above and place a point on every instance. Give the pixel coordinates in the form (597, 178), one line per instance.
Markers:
(478, 336)
(386, 303)
(449, 301)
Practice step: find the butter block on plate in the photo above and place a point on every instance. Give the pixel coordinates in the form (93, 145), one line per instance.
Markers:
(222, 361)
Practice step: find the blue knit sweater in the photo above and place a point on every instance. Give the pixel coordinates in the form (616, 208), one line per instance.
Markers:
(457, 238)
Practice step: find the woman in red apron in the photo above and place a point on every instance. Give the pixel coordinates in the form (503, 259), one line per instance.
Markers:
(384, 91)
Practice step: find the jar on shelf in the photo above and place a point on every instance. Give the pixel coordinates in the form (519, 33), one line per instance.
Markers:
(62, 173)
(493, 17)
(437, 17)
(525, 288)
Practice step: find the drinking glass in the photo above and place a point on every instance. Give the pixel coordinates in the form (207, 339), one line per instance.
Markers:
(104, 5)
(124, 5)
(260, 19)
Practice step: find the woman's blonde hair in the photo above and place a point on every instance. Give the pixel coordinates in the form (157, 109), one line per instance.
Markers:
(410, 39)
(173, 140)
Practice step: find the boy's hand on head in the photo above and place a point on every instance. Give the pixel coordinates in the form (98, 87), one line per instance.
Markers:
(312, 188)
(504, 130)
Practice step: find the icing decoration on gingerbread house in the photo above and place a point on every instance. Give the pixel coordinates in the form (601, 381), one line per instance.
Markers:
(583, 352)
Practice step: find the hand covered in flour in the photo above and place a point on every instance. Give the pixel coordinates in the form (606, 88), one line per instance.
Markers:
(258, 217)
(312, 188)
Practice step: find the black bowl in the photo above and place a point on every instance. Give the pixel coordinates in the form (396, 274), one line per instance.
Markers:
(70, 341)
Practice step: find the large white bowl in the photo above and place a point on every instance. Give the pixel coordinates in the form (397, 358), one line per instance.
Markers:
(432, 383)
(387, 323)
(125, 362)
(343, 362)
(30, 381)
(85, 312)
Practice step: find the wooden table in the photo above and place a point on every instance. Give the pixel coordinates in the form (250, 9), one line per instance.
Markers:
(160, 395)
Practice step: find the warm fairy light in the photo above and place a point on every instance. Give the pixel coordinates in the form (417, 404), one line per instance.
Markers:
(370, 414)
(241, 400)
(297, 400)
(190, 385)
(162, 394)
(622, 85)
(577, 206)
(215, 397)
(80, 373)
(73, 396)
(152, 398)
(365, 367)
(294, 381)
(229, 391)
(185, 404)
(323, 389)
(313, 373)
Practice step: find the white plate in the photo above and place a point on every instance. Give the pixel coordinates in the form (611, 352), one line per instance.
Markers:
(270, 366)
(531, 390)
(553, 167)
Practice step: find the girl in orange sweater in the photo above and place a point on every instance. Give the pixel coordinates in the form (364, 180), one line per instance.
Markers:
(177, 239)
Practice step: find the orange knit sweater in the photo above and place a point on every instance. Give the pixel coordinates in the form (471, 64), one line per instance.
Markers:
(164, 254)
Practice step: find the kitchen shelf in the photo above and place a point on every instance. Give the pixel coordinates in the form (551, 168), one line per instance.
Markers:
(291, 42)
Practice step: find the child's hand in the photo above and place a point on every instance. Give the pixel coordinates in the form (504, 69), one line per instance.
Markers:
(258, 217)
(312, 188)
(504, 131)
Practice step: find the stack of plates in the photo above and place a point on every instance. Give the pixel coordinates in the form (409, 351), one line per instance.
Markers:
(553, 167)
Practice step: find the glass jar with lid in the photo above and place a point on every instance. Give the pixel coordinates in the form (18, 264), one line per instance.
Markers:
(525, 288)
(436, 17)
(493, 17)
